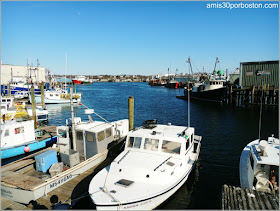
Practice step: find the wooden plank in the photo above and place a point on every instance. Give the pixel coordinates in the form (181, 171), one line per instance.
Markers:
(17, 165)
(7, 204)
(20, 180)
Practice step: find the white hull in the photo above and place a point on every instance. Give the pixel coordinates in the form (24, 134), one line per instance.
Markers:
(146, 194)
(151, 202)
(24, 196)
(259, 165)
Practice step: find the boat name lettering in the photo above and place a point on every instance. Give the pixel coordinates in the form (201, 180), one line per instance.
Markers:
(136, 205)
(60, 181)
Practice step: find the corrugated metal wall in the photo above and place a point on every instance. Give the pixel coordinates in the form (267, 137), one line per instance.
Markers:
(260, 73)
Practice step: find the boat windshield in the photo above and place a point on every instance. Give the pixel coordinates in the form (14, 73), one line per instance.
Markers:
(151, 144)
(171, 147)
(135, 142)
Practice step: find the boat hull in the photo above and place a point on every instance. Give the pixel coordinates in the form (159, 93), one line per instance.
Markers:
(24, 196)
(15, 89)
(77, 81)
(34, 145)
(216, 95)
(154, 201)
(246, 173)
(38, 99)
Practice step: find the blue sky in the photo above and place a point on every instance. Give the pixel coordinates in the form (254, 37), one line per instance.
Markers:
(135, 37)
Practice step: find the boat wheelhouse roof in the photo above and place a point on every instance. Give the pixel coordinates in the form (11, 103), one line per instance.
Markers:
(162, 131)
(89, 126)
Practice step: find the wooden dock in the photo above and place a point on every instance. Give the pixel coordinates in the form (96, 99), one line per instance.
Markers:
(7, 204)
(236, 198)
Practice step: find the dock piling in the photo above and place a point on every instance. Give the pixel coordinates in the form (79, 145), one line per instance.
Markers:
(131, 112)
(33, 106)
(42, 96)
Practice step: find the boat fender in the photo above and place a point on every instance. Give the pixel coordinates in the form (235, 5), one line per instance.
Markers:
(27, 148)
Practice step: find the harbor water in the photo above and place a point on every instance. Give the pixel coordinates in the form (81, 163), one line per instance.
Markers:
(225, 131)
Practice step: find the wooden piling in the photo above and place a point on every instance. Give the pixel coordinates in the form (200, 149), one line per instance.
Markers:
(42, 96)
(9, 90)
(33, 106)
(253, 95)
(75, 85)
(230, 94)
(131, 112)
(72, 119)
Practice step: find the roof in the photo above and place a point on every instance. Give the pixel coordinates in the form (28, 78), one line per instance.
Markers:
(162, 131)
(261, 62)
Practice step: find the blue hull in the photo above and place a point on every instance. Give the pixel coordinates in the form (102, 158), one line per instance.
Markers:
(34, 145)
(4, 89)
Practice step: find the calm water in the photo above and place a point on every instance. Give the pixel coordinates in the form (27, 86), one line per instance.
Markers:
(225, 131)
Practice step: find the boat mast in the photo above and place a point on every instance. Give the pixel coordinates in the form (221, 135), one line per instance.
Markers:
(65, 70)
(217, 61)
(190, 71)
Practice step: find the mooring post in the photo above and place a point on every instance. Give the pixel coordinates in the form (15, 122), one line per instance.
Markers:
(9, 90)
(131, 112)
(75, 88)
(253, 95)
(230, 94)
(72, 120)
(42, 96)
(33, 106)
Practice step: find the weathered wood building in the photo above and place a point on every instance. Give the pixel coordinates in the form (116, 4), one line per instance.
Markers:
(262, 73)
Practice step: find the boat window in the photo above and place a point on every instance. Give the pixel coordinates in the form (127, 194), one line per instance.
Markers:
(19, 130)
(108, 132)
(135, 142)
(62, 133)
(151, 144)
(56, 94)
(90, 137)
(100, 136)
(6, 132)
(171, 147)
(79, 135)
(187, 143)
(51, 95)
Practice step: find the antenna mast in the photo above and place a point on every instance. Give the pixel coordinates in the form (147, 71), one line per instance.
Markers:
(65, 69)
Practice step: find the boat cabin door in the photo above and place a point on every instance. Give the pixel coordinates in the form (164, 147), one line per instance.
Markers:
(63, 140)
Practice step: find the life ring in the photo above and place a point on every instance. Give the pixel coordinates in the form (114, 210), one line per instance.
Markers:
(16, 131)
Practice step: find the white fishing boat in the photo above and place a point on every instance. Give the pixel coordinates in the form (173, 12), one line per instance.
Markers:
(21, 94)
(36, 175)
(57, 96)
(259, 165)
(156, 162)
(18, 137)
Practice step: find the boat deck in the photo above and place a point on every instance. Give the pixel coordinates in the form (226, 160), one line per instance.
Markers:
(71, 191)
(236, 198)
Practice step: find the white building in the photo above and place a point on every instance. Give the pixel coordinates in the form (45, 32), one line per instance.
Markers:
(22, 73)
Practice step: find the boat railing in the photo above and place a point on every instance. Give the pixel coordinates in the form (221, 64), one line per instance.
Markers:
(123, 156)
(162, 163)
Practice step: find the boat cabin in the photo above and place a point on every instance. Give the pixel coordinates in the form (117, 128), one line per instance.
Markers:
(17, 132)
(9, 101)
(167, 139)
(91, 137)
